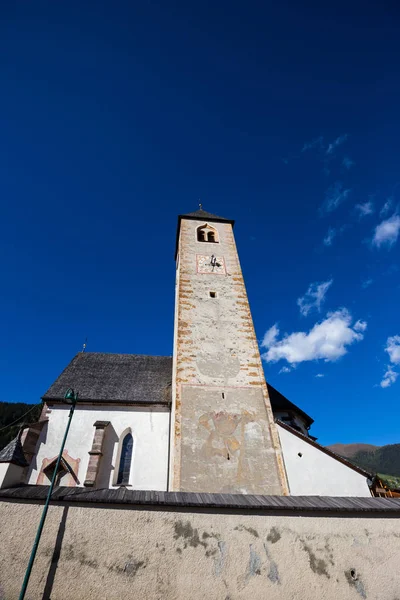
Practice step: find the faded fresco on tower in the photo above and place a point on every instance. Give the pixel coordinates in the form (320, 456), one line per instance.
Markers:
(226, 445)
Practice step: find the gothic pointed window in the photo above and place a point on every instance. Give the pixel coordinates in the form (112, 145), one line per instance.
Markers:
(125, 460)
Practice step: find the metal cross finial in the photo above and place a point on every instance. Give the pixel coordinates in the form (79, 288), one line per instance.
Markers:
(200, 206)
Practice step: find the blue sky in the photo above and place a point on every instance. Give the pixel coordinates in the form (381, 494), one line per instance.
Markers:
(116, 117)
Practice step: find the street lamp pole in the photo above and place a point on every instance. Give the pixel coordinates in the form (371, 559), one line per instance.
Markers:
(70, 398)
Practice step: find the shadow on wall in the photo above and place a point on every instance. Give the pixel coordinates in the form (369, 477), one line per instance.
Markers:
(56, 556)
(110, 443)
(41, 440)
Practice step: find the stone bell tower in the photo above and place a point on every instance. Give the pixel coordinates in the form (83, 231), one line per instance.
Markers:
(223, 436)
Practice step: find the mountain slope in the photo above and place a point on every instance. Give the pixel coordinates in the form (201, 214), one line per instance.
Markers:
(377, 459)
(349, 450)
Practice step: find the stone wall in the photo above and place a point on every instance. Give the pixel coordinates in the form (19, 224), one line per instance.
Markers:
(92, 552)
(223, 437)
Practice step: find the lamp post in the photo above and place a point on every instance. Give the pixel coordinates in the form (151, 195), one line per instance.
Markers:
(70, 398)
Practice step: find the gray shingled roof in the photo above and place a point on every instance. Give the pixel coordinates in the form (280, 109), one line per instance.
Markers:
(130, 378)
(204, 215)
(13, 453)
(127, 378)
(279, 402)
(243, 502)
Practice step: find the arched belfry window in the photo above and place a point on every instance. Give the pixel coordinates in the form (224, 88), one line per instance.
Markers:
(206, 233)
(124, 467)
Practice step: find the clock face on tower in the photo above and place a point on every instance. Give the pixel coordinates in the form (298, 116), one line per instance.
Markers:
(210, 264)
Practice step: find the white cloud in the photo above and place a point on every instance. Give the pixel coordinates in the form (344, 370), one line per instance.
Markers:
(314, 297)
(327, 340)
(285, 370)
(339, 140)
(315, 143)
(270, 336)
(347, 162)
(386, 207)
(320, 375)
(328, 239)
(366, 283)
(334, 196)
(332, 233)
(393, 349)
(360, 326)
(365, 209)
(389, 378)
(387, 231)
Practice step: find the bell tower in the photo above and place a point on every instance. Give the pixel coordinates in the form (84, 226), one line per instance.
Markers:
(223, 436)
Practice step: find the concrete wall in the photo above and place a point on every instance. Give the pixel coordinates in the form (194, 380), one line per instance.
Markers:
(150, 431)
(314, 473)
(222, 418)
(90, 553)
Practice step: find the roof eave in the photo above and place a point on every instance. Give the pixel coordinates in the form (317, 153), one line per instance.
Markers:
(59, 400)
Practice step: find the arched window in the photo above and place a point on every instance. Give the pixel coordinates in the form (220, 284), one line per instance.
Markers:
(211, 236)
(206, 233)
(125, 460)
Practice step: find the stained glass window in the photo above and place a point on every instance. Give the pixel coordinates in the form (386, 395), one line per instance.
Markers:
(125, 460)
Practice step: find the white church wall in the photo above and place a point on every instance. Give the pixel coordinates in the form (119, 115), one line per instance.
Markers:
(149, 427)
(314, 473)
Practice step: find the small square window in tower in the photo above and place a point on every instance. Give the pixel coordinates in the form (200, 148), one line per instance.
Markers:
(213, 294)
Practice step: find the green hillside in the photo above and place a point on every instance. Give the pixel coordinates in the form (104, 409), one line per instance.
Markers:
(15, 412)
(385, 459)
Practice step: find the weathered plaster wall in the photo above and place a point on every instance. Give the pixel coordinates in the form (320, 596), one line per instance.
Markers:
(150, 431)
(314, 473)
(91, 553)
(221, 408)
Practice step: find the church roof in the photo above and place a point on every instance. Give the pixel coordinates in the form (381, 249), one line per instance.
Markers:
(203, 215)
(279, 402)
(122, 378)
(200, 215)
(131, 379)
(13, 453)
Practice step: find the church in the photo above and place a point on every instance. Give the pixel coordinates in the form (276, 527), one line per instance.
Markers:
(189, 476)
(204, 420)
